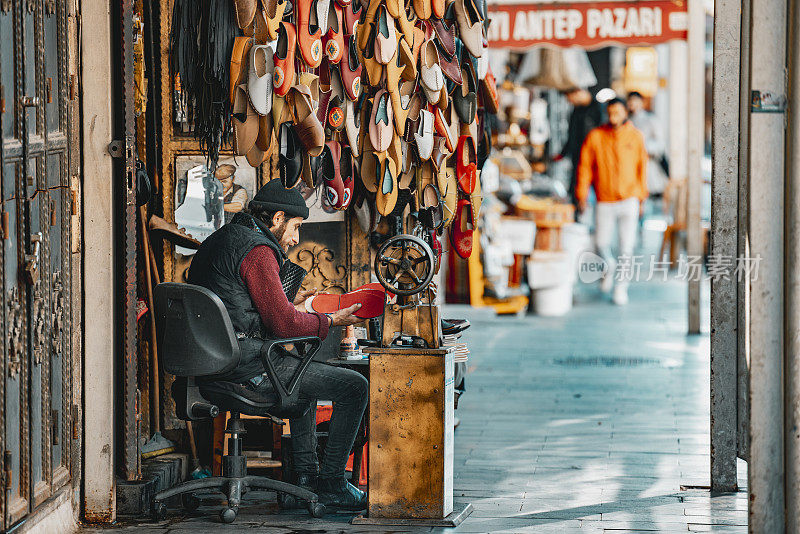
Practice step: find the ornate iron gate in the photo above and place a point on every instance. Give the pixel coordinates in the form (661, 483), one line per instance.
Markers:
(35, 388)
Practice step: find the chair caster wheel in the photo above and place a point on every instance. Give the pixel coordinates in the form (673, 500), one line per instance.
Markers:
(316, 509)
(190, 502)
(228, 515)
(286, 501)
(159, 511)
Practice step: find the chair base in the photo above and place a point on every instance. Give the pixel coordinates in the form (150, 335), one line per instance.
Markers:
(233, 488)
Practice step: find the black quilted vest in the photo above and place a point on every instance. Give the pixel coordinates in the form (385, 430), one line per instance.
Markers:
(216, 266)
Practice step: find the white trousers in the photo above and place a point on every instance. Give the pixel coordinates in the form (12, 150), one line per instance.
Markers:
(624, 216)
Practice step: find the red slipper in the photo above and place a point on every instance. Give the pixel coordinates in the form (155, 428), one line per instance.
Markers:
(466, 164)
(331, 174)
(373, 286)
(461, 232)
(372, 303)
(348, 170)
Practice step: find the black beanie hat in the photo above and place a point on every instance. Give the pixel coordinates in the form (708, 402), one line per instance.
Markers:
(274, 197)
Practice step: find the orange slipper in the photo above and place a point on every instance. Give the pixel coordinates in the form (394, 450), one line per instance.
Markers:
(284, 59)
(333, 41)
(309, 36)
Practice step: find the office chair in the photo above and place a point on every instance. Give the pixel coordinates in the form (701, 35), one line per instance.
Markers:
(196, 339)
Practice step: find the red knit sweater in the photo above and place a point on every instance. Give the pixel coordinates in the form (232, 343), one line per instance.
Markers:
(259, 271)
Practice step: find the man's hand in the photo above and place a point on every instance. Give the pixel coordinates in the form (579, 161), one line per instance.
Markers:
(641, 208)
(345, 317)
(581, 206)
(303, 295)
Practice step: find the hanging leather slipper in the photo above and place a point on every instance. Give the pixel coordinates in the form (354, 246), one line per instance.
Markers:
(431, 71)
(466, 164)
(274, 11)
(245, 122)
(431, 212)
(330, 169)
(169, 230)
(283, 59)
(445, 36)
(263, 149)
(308, 127)
(401, 100)
(348, 170)
(333, 41)
(309, 33)
(352, 126)
(387, 188)
(465, 99)
(311, 170)
(290, 155)
(385, 37)
(448, 188)
(423, 136)
(489, 88)
(260, 78)
(470, 25)
(245, 11)
(335, 116)
(238, 72)
(380, 123)
(370, 166)
(423, 9)
(476, 198)
(461, 232)
(351, 70)
(351, 15)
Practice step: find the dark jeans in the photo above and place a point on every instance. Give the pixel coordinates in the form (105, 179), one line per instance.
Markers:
(349, 392)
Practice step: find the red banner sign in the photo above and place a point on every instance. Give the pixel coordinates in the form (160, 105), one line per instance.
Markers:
(588, 25)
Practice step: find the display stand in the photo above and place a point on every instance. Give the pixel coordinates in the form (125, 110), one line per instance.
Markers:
(411, 403)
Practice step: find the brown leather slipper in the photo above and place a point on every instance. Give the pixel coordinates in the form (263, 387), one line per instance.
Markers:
(170, 231)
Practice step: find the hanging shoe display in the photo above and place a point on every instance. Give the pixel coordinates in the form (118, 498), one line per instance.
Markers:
(380, 103)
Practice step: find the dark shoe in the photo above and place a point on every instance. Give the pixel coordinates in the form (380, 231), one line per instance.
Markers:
(454, 326)
(308, 482)
(337, 493)
(290, 502)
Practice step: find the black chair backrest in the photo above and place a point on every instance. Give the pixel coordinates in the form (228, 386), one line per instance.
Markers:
(195, 334)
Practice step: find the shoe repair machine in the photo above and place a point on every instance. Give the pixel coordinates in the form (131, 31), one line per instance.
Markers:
(405, 265)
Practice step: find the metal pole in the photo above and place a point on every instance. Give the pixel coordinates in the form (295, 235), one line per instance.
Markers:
(792, 277)
(724, 236)
(765, 239)
(696, 121)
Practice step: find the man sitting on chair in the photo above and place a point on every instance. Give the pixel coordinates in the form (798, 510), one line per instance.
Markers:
(242, 263)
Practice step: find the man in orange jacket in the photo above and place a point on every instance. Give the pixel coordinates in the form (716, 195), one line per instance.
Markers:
(614, 161)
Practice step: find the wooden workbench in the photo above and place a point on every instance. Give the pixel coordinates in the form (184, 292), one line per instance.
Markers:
(410, 435)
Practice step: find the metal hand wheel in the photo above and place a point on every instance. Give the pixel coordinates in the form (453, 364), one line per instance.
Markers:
(405, 265)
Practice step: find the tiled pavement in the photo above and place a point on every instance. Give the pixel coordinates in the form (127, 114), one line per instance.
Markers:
(595, 422)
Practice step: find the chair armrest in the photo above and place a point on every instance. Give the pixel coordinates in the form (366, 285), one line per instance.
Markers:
(286, 393)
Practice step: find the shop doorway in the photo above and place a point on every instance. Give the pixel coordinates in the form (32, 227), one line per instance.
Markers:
(35, 388)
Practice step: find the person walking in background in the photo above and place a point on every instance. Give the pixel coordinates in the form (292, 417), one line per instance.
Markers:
(614, 161)
(647, 123)
(586, 115)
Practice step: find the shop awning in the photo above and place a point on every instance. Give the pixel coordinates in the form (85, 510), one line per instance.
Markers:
(519, 24)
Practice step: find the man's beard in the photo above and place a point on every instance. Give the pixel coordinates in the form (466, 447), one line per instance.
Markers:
(279, 232)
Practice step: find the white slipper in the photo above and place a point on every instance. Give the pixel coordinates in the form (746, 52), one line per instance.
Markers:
(259, 81)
